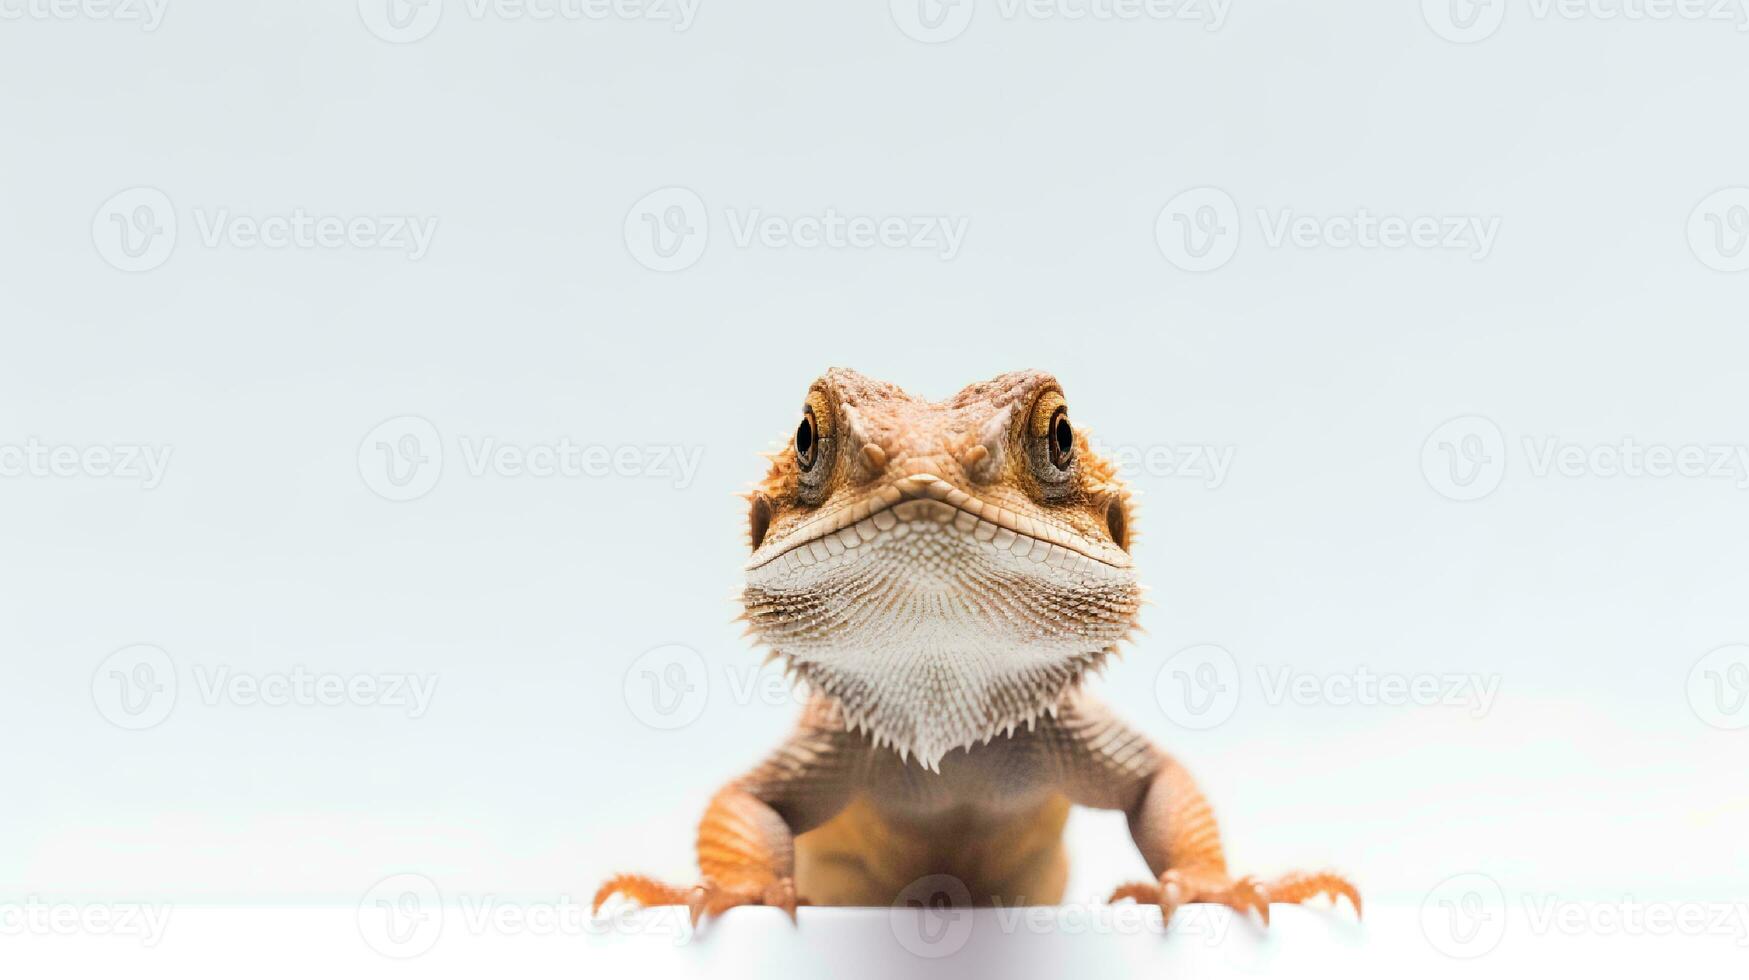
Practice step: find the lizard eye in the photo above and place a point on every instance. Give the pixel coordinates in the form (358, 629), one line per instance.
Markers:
(1050, 444)
(807, 442)
(814, 447)
(1062, 438)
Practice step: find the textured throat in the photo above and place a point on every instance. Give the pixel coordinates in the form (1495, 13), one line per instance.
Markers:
(935, 628)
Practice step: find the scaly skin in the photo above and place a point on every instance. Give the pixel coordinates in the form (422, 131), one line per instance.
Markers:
(943, 575)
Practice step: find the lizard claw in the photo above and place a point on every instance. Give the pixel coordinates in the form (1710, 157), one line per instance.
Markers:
(713, 900)
(707, 899)
(1298, 886)
(1243, 895)
(1246, 893)
(781, 894)
(645, 891)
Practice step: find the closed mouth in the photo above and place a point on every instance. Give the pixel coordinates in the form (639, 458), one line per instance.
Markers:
(924, 498)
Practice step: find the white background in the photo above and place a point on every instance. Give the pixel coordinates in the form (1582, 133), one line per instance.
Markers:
(1603, 313)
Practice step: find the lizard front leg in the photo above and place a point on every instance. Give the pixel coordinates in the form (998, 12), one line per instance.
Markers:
(1105, 763)
(1174, 828)
(746, 854)
(746, 841)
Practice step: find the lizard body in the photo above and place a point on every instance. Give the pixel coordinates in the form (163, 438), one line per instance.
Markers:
(943, 576)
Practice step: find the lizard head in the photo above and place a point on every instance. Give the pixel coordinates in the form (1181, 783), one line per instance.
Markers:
(945, 571)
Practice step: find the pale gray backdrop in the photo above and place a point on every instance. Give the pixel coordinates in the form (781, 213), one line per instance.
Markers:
(326, 257)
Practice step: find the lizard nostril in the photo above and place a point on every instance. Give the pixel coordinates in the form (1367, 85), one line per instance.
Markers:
(1117, 524)
(758, 520)
(973, 461)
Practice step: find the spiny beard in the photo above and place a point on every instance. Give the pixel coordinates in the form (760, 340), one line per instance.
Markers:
(933, 642)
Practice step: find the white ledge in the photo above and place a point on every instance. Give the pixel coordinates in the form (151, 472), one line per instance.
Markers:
(534, 941)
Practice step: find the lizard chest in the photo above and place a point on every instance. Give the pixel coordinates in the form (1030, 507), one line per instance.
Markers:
(990, 820)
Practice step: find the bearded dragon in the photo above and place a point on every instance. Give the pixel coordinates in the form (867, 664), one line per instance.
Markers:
(942, 576)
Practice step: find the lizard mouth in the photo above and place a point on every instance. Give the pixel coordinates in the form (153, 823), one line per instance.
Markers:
(926, 498)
